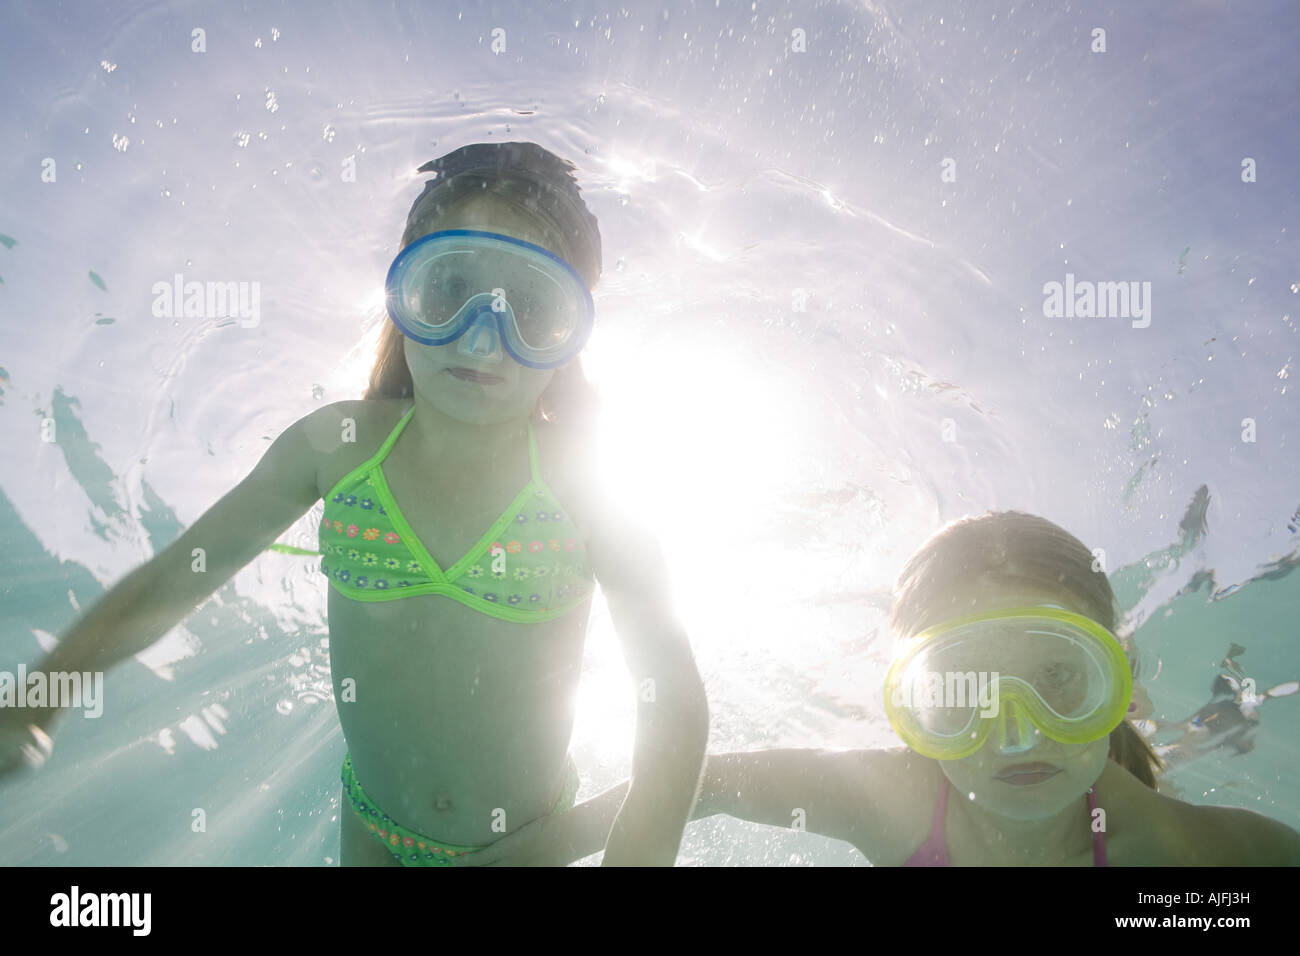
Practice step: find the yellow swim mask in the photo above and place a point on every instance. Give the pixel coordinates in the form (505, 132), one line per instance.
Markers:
(1014, 672)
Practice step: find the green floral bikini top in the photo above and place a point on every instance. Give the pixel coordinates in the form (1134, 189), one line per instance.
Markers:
(531, 565)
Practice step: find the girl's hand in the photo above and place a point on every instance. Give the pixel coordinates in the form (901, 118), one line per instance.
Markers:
(23, 742)
(545, 841)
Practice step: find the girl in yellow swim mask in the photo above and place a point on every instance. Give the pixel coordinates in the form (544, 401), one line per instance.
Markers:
(1011, 691)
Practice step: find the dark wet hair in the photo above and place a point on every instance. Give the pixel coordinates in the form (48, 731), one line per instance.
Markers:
(525, 173)
(1014, 549)
(542, 183)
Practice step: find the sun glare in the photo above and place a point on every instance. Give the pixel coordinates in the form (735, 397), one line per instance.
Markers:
(629, 171)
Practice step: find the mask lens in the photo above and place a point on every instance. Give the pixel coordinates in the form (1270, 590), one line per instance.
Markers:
(947, 721)
(944, 701)
(436, 287)
(544, 310)
(1066, 680)
(1059, 668)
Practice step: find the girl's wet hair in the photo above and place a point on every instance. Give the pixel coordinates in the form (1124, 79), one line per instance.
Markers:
(540, 183)
(943, 579)
(524, 173)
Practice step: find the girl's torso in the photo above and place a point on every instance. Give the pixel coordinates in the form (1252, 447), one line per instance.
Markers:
(452, 717)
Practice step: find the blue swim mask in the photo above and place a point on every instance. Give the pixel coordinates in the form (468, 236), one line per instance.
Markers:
(462, 281)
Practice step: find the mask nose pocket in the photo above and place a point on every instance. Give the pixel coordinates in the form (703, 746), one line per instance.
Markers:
(481, 338)
(1016, 733)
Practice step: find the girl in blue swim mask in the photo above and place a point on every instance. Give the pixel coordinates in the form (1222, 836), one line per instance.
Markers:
(1011, 691)
(462, 536)
(478, 401)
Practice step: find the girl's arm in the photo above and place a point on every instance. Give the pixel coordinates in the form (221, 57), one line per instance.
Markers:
(153, 598)
(672, 723)
(819, 790)
(815, 790)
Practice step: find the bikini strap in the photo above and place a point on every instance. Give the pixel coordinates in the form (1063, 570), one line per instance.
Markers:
(391, 440)
(361, 469)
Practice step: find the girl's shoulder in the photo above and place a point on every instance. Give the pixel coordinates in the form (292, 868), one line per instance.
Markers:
(344, 434)
(896, 792)
(1231, 836)
(1160, 830)
(353, 421)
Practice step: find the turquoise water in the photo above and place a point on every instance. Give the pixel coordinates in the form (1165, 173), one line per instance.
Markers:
(790, 459)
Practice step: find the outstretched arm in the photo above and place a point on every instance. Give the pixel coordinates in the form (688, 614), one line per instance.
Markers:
(819, 790)
(153, 598)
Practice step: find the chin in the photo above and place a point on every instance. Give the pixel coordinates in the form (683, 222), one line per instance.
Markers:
(1030, 803)
(1079, 771)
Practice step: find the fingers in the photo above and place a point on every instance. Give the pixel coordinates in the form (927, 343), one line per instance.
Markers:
(484, 857)
(29, 747)
(36, 752)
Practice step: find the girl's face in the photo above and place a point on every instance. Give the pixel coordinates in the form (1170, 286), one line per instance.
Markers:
(1073, 768)
(474, 379)
(1005, 782)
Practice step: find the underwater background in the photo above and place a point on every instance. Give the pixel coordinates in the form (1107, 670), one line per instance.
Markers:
(821, 333)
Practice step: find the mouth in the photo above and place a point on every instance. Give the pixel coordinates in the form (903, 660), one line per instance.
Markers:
(479, 378)
(1028, 774)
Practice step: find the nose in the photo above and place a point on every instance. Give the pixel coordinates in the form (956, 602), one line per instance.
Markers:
(481, 340)
(1015, 732)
